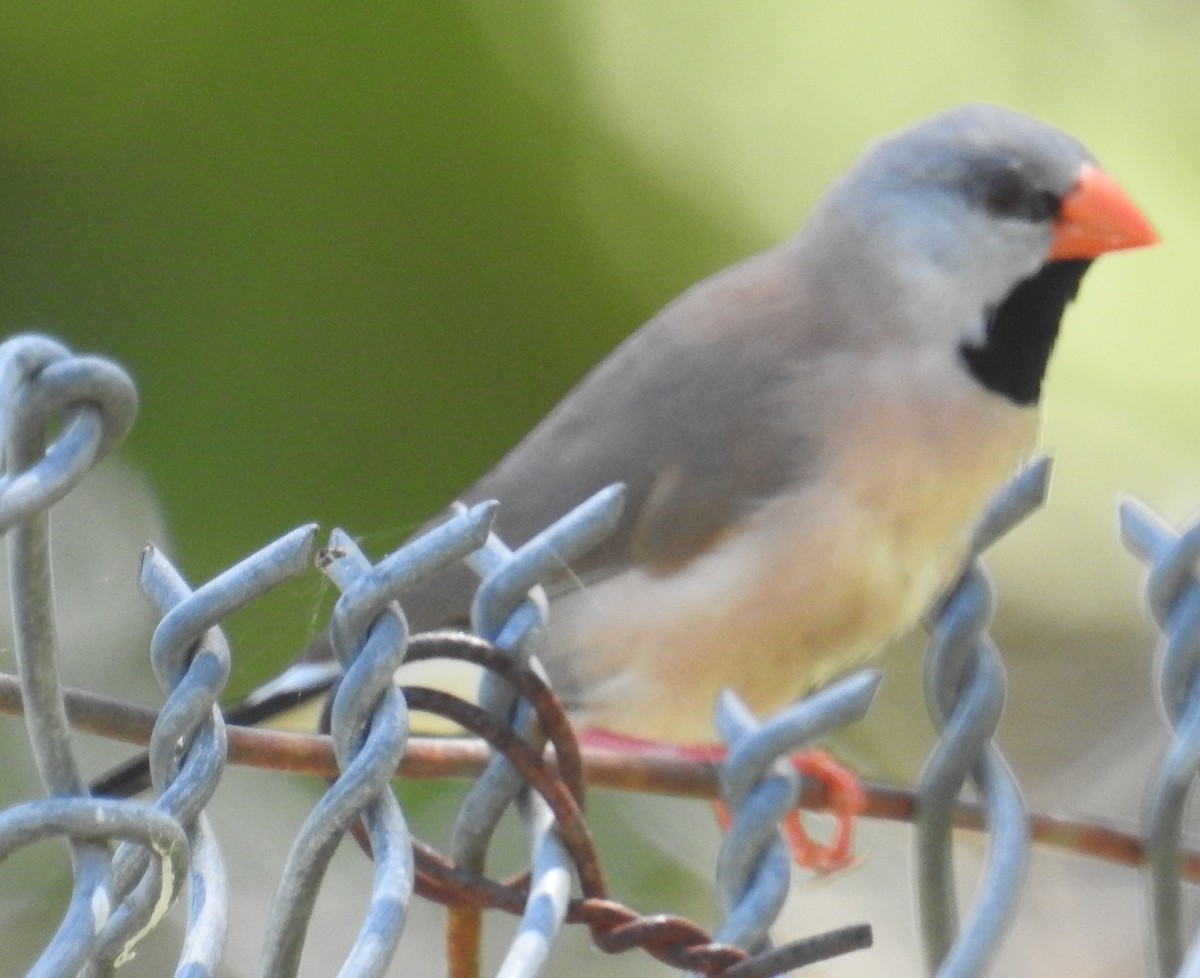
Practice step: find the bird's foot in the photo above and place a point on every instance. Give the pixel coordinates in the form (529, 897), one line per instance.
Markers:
(846, 797)
(847, 800)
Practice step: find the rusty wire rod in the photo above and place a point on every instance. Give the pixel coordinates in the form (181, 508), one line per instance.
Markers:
(462, 758)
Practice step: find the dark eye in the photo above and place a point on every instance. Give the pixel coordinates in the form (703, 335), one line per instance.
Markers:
(1044, 205)
(1008, 195)
(1005, 194)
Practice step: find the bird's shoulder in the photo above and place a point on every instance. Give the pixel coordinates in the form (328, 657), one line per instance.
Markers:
(693, 413)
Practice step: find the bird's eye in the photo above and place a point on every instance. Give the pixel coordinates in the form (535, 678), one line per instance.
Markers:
(1004, 194)
(1008, 195)
(1044, 205)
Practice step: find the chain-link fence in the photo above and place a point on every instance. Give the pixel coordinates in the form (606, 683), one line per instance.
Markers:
(60, 413)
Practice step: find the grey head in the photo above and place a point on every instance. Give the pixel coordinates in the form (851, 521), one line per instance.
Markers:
(948, 225)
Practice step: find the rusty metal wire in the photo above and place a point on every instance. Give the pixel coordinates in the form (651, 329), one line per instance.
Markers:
(509, 608)
(559, 782)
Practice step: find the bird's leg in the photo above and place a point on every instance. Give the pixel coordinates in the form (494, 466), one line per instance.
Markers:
(847, 799)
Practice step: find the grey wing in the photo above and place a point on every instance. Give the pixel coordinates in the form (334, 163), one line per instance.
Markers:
(693, 419)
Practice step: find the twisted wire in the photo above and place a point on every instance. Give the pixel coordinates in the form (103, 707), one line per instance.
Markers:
(1172, 590)
(964, 688)
(93, 402)
(191, 661)
(761, 787)
(509, 608)
(369, 728)
(558, 781)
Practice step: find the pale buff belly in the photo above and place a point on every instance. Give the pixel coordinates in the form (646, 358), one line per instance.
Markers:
(810, 586)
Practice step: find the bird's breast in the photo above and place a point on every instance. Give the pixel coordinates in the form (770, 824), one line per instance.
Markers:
(808, 584)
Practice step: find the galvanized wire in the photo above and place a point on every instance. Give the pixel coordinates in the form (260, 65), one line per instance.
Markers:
(191, 660)
(369, 725)
(93, 403)
(614, 928)
(1172, 589)
(964, 688)
(509, 609)
(761, 788)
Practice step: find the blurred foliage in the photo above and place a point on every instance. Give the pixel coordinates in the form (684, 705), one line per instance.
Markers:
(351, 253)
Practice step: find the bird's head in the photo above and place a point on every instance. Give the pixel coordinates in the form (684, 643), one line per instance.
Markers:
(982, 221)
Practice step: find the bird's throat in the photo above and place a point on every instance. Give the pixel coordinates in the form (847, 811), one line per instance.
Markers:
(1020, 333)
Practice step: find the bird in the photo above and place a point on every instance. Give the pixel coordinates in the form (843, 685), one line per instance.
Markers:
(807, 438)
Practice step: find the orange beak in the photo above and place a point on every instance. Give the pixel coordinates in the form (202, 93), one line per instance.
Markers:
(1097, 216)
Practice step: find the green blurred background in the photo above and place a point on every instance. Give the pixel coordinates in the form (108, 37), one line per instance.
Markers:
(351, 252)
